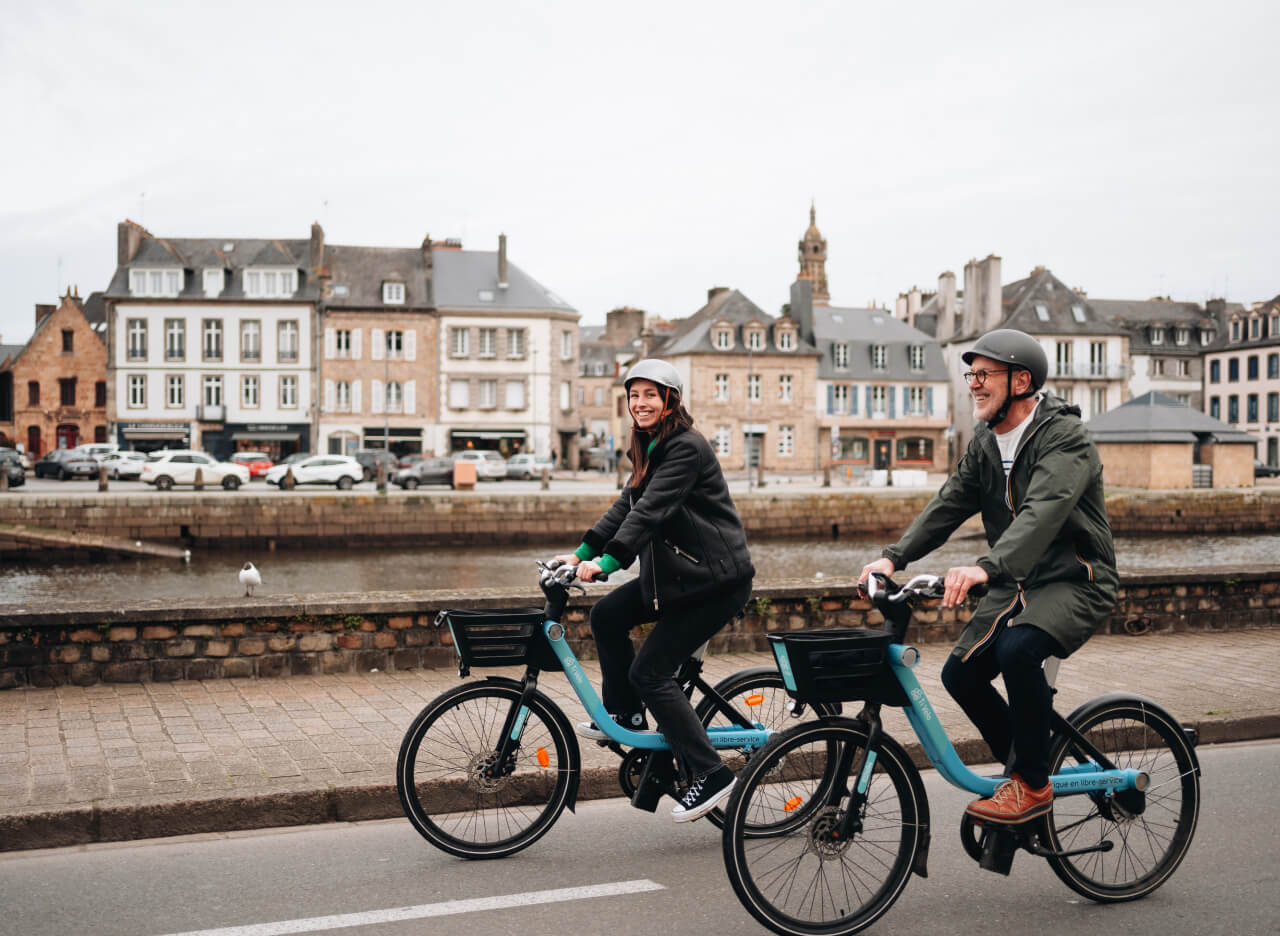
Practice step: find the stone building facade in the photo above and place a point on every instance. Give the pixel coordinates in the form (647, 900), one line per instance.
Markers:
(53, 390)
(1242, 375)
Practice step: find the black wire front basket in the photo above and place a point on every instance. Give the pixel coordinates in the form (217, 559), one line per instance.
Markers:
(838, 665)
(485, 637)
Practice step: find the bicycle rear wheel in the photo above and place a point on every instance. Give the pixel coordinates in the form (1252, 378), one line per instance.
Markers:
(787, 867)
(1151, 830)
(759, 695)
(456, 794)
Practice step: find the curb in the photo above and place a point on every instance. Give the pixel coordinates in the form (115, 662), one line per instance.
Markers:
(83, 825)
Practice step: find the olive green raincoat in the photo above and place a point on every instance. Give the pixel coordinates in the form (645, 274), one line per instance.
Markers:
(1050, 560)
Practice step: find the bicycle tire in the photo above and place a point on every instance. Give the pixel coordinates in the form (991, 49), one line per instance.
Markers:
(440, 772)
(1152, 829)
(769, 710)
(798, 882)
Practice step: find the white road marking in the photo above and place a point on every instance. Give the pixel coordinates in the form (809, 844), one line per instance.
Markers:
(446, 908)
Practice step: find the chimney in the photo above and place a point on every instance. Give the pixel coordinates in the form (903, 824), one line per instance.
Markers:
(317, 248)
(946, 304)
(802, 307)
(992, 295)
(43, 312)
(900, 307)
(715, 291)
(503, 280)
(913, 305)
(128, 237)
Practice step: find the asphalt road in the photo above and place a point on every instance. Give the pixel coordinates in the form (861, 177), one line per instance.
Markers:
(632, 873)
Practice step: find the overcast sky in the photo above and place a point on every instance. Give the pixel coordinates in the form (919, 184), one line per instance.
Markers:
(637, 154)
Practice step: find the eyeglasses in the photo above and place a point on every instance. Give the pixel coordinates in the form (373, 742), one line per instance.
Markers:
(980, 376)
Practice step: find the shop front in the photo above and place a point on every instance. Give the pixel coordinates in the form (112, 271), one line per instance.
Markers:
(153, 436)
(508, 442)
(277, 440)
(401, 440)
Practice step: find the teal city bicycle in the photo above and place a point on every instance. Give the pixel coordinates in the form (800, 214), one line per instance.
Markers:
(829, 820)
(487, 768)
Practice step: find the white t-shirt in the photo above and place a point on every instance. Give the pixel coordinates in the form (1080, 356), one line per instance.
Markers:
(1008, 441)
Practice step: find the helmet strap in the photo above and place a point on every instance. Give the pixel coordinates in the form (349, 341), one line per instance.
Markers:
(1009, 397)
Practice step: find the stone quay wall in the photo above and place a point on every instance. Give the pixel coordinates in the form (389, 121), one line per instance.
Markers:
(83, 644)
(216, 519)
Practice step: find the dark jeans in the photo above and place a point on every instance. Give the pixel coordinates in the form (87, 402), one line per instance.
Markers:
(1022, 723)
(632, 681)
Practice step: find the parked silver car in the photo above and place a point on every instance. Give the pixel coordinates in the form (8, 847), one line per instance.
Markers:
(123, 465)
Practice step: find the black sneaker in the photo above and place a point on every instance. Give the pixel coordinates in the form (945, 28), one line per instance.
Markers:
(704, 795)
(591, 731)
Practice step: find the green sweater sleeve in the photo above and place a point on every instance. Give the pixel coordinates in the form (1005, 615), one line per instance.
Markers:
(585, 552)
(608, 565)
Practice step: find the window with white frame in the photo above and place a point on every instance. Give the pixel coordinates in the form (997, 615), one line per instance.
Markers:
(566, 395)
(1067, 394)
(753, 388)
(723, 440)
(1097, 401)
(459, 394)
(582, 395)
(840, 398)
(250, 391)
(394, 393)
(395, 344)
(598, 397)
(488, 394)
(287, 349)
(755, 340)
(487, 343)
(721, 393)
(342, 396)
(566, 345)
(1042, 312)
(212, 341)
(1064, 358)
(1097, 359)
(515, 342)
(288, 391)
(342, 342)
(1181, 335)
(137, 390)
(786, 441)
(1255, 328)
(214, 280)
(1206, 336)
(211, 390)
(1157, 334)
(786, 340)
(175, 340)
(917, 357)
(915, 401)
(515, 394)
(1077, 313)
(174, 385)
(840, 355)
(393, 293)
(1235, 329)
(459, 342)
(250, 340)
(784, 388)
(724, 339)
(136, 329)
(1157, 367)
(1184, 367)
(155, 282)
(879, 402)
(270, 284)
(879, 357)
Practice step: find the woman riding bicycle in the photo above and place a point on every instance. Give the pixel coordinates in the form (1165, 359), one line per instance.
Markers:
(677, 517)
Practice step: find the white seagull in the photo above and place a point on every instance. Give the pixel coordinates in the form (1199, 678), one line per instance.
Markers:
(250, 578)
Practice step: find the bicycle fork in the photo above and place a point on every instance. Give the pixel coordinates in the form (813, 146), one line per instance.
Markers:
(504, 758)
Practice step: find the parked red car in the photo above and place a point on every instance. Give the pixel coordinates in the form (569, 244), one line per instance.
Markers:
(256, 462)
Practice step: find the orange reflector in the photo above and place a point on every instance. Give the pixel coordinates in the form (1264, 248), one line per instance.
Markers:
(754, 699)
(544, 759)
(792, 804)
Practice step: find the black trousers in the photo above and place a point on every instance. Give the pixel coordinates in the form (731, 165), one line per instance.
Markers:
(634, 681)
(1022, 723)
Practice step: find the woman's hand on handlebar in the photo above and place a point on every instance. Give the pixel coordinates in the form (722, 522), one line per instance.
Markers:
(567, 559)
(958, 582)
(588, 570)
(883, 566)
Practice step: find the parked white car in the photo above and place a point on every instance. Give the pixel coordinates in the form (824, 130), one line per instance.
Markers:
(490, 465)
(340, 470)
(178, 466)
(526, 465)
(123, 465)
(96, 449)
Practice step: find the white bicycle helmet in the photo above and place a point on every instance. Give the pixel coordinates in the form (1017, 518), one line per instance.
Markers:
(655, 371)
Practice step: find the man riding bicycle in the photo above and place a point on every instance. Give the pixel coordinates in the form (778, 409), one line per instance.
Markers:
(1033, 472)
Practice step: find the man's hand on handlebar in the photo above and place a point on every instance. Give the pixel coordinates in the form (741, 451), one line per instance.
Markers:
(588, 570)
(883, 566)
(958, 582)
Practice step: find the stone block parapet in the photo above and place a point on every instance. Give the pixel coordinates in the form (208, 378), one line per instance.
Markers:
(83, 643)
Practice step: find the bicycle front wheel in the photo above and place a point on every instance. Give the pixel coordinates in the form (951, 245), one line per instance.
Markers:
(802, 878)
(1150, 830)
(456, 793)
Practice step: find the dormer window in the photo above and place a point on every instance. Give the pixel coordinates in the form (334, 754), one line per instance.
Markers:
(270, 284)
(167, 283)
(1042, 312)
(1181, 335)
(755, 340)
(392, 293)
(840, 355)
(1157, 334)
(1206, 336)
(1077, 313)
(213, 282)
(1255, 328)
(917, 357)
(723, 339)
(786, 340)
(1235, 329)
(879, 357)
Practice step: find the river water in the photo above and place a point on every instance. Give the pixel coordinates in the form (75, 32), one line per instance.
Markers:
(213, 574)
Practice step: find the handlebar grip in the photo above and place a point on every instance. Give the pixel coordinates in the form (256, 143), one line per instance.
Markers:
(977, 591)
(602, 577)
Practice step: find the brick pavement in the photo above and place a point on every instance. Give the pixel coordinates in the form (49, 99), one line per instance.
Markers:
(119, 761)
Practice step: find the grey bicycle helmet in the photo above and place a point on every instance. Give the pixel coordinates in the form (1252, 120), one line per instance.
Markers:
(655, 371)
(1020, 351)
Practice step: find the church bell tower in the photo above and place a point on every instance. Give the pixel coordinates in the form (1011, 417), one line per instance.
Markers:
(813, 260)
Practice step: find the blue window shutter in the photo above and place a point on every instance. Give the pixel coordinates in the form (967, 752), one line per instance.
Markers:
(853, 400)
(906, 400)
(831, 398)
(928, 399)
(888, 391)
(868, 399)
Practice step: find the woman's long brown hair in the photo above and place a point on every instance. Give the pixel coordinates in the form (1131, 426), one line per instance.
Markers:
(674, 418)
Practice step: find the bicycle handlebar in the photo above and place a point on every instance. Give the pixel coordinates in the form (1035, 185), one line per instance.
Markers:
(918, 586)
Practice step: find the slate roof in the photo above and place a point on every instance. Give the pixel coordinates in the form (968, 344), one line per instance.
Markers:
(1022, 300)
(861, 329)
(591, 332)
(9, 352)
(1154, 417)
(195, 253)
(460, 277)
(359, 272)
(692, 335)
(1137, 316)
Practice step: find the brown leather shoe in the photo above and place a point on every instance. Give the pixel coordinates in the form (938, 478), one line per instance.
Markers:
(1013, 802)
